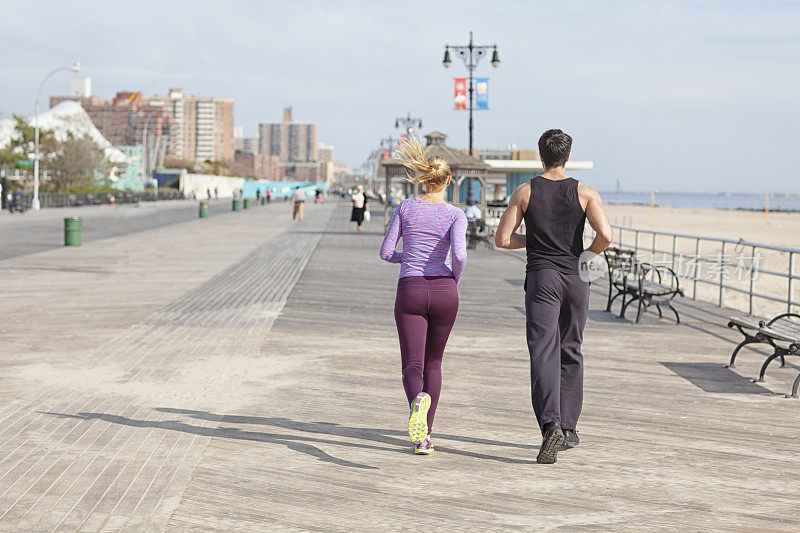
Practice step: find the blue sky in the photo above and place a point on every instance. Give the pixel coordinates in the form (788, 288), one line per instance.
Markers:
(666, 96)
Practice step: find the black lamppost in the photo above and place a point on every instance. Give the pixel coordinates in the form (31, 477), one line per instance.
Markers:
(409, 123)
(470, 54)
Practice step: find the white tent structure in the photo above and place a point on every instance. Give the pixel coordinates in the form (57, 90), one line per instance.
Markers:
(64, 118)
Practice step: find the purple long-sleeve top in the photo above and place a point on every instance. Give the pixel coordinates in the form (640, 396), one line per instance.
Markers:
(430, 232)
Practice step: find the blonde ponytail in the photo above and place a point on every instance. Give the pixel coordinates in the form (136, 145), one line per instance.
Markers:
(433, 173)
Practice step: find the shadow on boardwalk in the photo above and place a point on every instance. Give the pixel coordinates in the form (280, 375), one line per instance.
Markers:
(397, 441)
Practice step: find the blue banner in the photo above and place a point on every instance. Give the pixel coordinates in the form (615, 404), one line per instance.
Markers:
(482, 93)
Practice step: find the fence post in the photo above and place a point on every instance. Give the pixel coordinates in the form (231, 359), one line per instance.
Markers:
(674, 238)
(791, 283)
(653, 250)
(696, 264)
(721, 272)
(636, 242)
(752, 277)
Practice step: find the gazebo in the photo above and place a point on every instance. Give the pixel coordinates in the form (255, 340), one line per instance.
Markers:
(461, 165)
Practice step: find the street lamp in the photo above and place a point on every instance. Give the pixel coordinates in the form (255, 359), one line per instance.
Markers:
(75, 67)
(409, 123)
(470, 54)
(145, 152)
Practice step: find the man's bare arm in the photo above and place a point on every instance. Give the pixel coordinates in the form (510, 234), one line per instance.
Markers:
(598, 220)
(506, 235)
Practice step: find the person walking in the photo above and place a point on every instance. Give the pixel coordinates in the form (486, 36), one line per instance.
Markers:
(298, 202)
(431, 263)
(269, 195)
(555, 208)
(360, 205)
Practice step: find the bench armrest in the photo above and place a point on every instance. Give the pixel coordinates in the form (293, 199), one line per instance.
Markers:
(784, 315)
(659, 270)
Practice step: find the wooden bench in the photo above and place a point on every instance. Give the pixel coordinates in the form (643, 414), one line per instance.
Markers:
(641, 282)
(781, 332)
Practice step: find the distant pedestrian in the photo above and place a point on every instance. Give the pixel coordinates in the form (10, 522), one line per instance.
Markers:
(433, 258)
(298, 201)
(318, 193)
(269, 195)
(216, 192)
(360, 205)
(209, 194)
(258, 195)
(17, 203)
(474, 215)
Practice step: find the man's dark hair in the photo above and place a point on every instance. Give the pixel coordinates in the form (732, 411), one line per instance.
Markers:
(554, 148)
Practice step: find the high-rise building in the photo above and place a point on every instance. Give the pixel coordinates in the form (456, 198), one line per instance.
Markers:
(122, 120)
(245, 145)
(203, 125)
(194, 127)
(325, 152)
(326, 165)
(293, 143)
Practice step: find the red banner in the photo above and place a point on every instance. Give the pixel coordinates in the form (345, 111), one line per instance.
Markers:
(460, 93)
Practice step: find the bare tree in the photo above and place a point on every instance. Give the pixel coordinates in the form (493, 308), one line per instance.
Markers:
(75, 165)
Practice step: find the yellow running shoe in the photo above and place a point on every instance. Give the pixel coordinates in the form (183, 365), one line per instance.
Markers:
(418, 421)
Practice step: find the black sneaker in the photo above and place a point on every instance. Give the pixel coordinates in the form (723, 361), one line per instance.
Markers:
(552, 440)
(571, 439)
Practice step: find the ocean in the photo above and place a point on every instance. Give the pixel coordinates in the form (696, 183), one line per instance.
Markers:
(749, 202)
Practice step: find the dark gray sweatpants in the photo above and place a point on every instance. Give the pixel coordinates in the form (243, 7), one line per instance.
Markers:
(556, 306)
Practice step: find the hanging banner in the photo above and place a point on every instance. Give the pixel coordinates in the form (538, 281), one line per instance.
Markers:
(403, 138)
(482, 93)
(460, 93)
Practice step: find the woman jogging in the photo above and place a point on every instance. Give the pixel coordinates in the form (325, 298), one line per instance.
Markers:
(359, 207)
(427, 299)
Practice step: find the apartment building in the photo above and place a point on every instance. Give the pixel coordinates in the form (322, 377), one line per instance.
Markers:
(195, 127)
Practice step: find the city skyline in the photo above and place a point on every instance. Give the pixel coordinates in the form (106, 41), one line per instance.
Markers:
(672, 97)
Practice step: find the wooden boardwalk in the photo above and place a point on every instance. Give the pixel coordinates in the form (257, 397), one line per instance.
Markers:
(242, 373)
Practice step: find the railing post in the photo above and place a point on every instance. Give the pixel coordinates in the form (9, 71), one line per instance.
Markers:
(791, 283)
(696, 264)
(721, 272)
(674, 239)
(752, 277)
(636, 242)
(653, 249)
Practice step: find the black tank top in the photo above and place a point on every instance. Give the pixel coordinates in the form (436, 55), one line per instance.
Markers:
(554, 221)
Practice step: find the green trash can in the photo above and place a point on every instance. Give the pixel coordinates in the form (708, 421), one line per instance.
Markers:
(73, 231)
(236, 205)
(203, 209)
(247, 203)
(263, 201)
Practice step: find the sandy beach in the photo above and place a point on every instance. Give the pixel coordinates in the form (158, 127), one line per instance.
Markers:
(780, 229)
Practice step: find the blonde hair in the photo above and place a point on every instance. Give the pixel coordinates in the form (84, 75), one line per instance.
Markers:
(433, 172)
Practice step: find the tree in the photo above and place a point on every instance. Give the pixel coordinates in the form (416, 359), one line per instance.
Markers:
(63, 165)
(75, 164)
(22, 146)
(177, 162)
(218, 168)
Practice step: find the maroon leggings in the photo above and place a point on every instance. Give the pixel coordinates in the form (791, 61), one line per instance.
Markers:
(425, 310)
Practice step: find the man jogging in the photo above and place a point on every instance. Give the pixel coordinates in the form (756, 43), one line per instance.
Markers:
(555, 208)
